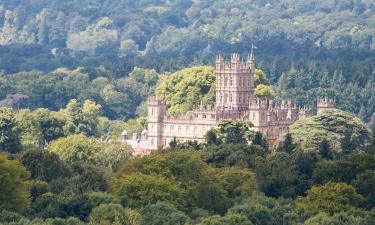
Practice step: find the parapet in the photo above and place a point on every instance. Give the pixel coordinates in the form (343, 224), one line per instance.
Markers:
(326, 102)
(156, 100)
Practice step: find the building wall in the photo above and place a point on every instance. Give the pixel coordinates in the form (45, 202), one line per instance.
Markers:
(234, 101)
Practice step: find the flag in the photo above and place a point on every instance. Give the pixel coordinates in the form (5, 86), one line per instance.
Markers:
(253, 46)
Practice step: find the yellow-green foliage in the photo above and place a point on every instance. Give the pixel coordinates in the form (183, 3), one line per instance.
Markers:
(330, 198)
(264, 91)
(80, 148)
(186, 88)
(333, 125)
(260, 78)
(14, 195)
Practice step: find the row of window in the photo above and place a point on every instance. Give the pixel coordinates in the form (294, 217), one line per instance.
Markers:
(225, 98)
(242, 81)
(186, 129)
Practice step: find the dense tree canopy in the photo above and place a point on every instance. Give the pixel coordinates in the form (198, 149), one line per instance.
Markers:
(343, 131)
(186, 89)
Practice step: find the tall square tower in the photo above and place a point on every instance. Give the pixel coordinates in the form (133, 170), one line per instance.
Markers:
(234, 83)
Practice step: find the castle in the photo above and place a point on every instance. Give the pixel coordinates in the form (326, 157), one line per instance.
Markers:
(235, 100)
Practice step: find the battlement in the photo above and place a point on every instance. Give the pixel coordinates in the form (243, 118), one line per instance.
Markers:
(156, 100)
(236, 63)
(325, 103)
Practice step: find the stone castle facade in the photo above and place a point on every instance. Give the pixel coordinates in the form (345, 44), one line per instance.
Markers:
(235, 100)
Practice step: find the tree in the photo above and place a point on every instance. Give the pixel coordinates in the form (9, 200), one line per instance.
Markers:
(139, 190)
(260, 78)
(336, 219)
(14, 195)
(229, 219)
(345, 169)
(334, 125)
(276, 175)
(325, 150)
(212, 138)
(287, 145)
(109, 214)
(242, 156)
(259, 140)
(365, 185)
(234, 132)
(187, 88)
(163, 213)
(259, 209)
(44, 165)
(264, 91)
(331, 198)
(75, 148)
(9, 132)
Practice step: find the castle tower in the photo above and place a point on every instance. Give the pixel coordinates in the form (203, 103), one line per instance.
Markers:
(234, 83)
(325, 103)
(157, 109)
(259, 112)
(303, 112)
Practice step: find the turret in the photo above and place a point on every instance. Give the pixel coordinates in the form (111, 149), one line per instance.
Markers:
(157, 109)
(303, 112)
(325, 104)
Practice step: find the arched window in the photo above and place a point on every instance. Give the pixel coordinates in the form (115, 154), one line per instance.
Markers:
(230, 81)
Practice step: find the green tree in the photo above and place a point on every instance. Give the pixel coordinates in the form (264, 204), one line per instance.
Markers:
(187, 88)
(264, 91)
(234, 132)
(14, 195)
(365, 185)
(109, 214)
(276, 175)
(9, 132)
(44, 165)
(139, 190)
(259, 140)
(260, 78)
(330, 198)
(75, 148)
(287, 145)
(325, 150)
(163, 213)
(333, 125)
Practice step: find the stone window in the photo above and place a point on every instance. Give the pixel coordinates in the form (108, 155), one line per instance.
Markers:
(204, 116)
(230, 81)
(187, 129)
(230, 98)
(240, 82)
(179, 129)
(225, 81)
(244, 82)
(171, 128)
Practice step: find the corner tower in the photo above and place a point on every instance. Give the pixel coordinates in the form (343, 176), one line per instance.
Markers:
(156, 111)
(234, 83)
(325, 104)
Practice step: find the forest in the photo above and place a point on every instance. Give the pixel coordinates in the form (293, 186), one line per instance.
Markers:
(73, 71)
